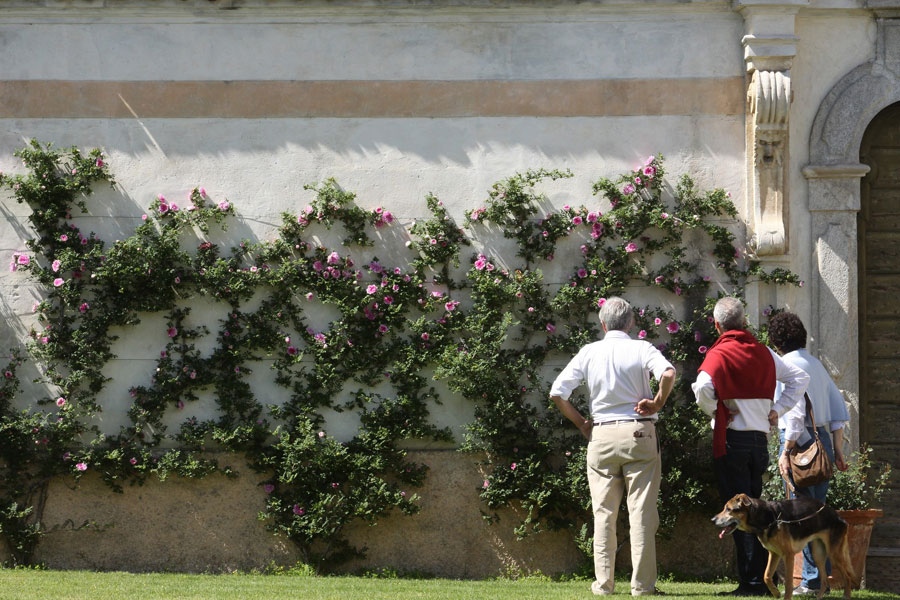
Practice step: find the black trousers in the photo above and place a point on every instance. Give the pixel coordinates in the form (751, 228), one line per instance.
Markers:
(741, 471)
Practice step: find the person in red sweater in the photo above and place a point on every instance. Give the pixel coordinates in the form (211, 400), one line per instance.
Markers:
(736, 386)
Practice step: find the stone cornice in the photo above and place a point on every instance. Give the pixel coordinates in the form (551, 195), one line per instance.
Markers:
(848, 171)
(363, 4)
(303, 11)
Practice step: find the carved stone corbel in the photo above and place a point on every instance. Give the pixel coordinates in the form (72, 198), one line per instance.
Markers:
(768, 103)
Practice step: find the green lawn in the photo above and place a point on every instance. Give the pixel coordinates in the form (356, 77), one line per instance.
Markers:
(82, 585)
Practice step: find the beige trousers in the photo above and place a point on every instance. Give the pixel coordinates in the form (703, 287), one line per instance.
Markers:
(624, 458)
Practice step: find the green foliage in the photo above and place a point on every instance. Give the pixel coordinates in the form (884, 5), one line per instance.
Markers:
(488, 335)
(862, 485)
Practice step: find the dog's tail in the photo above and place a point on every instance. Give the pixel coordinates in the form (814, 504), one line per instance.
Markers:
(840, 555)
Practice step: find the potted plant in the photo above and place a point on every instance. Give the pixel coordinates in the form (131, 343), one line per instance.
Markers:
(855, 494)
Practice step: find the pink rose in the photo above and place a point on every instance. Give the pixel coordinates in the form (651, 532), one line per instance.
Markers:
(81, 466)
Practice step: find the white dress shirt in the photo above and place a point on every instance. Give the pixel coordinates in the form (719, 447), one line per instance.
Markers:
(753, 413)
(829, 407)
(616, 370)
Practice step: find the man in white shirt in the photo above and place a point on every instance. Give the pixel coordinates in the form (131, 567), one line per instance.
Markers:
(736, 385)
(623, 450)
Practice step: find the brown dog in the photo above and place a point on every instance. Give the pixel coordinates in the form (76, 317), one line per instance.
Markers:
(784, 528)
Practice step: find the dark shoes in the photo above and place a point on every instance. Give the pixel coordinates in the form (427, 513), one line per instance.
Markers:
(750, 590)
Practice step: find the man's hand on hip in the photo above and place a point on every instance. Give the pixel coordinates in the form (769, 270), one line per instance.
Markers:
(585, 429)
(647, 407)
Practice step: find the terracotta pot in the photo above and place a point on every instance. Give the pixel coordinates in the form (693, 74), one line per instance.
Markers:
(861, 523)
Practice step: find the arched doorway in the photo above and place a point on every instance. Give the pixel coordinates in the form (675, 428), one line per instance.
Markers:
(879, 304)
(855, 264)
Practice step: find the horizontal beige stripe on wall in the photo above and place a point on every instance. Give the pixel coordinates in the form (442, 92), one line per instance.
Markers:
(370, 99)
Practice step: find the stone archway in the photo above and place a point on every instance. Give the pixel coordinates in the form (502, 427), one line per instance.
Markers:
(834, 195)
(834, 176)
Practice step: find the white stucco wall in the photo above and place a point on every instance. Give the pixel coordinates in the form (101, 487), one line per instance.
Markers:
(262, 164)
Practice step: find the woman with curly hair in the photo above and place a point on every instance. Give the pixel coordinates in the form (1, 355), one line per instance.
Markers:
(788, 335)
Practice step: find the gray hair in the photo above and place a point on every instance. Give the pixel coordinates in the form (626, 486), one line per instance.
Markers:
(617, 314)
(729, 313)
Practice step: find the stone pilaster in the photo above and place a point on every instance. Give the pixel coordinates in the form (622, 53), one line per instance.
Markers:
(834, 201)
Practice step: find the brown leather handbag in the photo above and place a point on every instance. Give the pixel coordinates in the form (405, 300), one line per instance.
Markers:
(810, 466)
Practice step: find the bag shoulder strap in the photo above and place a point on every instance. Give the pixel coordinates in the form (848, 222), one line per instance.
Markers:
(811, 415)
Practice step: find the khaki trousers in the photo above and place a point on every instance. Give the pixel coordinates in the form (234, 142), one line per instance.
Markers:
(624, 458)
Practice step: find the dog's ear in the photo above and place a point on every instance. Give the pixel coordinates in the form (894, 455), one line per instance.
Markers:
(745, 500)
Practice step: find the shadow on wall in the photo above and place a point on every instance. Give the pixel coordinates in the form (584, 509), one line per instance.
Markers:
(264, 162)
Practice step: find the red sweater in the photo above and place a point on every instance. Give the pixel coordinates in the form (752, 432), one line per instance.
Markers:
(740, 367)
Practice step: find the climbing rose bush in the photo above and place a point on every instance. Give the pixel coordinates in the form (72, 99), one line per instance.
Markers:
(488, 326)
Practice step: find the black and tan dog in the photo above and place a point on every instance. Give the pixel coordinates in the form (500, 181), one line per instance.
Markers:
(785, 528)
